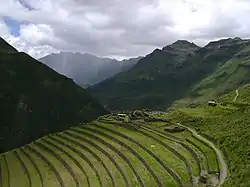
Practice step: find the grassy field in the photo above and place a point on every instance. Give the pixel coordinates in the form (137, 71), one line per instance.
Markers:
(227, 125)
(107, 152)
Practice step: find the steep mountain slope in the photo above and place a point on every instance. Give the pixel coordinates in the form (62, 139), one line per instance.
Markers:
(152, 82)
(86, 69)
(228, 76)
(166, 75)
(35, 100)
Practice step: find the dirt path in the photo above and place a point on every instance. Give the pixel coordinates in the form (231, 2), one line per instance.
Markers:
(237, 94)
(222, 162)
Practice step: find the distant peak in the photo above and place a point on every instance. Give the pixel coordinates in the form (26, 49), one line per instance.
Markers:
(237, 38)
(183, 43)
(89, 55)
(77, 53)
(224, 41)
(157, 50)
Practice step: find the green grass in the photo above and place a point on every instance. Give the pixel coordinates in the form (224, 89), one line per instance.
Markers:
(16, 171)
(144, 150)
(178, 147)
(4, 171)
(48, 175)
(210, 154)
(199, 151)
(108, 161)
(136, 163)
(229, 128)
(36, 179)
(99, 156)
(111, 153)
(80, 178)
(174, 162)
(105, 152)
(96, 165)
(80, 157)
(59, 164)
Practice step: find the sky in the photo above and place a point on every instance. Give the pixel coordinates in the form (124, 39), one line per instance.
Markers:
(118, 28)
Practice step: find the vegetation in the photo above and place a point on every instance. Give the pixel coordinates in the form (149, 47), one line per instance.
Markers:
(179, 147)
(181, 71)
(108, 152)
(227, 125)
(35, 100)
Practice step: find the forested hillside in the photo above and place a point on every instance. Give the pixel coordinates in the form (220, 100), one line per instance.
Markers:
(35, 100)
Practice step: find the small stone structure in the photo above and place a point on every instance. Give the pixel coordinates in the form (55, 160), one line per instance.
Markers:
(121, 116)
(212, 103)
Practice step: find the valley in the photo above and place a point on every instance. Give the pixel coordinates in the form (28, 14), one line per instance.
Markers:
(177, 118)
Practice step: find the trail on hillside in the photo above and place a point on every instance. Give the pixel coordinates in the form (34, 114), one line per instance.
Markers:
(237, 94)
(222, 162)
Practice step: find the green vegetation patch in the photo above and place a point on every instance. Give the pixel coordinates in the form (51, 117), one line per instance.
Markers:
(228, 129)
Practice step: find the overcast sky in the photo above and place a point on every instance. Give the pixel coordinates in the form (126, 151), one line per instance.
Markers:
(118, 28)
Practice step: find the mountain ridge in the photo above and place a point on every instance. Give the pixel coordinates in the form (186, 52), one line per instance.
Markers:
(36, 100)
(86, 69)
(6, 47)
(165, 76)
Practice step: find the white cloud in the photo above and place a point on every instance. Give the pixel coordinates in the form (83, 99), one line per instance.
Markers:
(4, 30)
(29, 39)
(35, 51)
(122, 28)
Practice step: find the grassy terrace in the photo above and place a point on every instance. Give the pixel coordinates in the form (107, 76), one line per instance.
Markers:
(32, 169)
(107, 153)
(158, 149)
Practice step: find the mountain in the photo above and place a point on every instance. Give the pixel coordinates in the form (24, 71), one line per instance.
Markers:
(5, 47)
(86, 69)
(175, 72)
(151, 83)
(35, 100)
(231, 57)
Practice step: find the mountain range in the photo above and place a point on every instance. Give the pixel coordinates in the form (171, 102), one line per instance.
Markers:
(86, 69)
(35, 100)
(179, 74)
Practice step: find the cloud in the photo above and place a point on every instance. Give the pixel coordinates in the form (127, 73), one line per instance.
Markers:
(4, 30)
(122, 28)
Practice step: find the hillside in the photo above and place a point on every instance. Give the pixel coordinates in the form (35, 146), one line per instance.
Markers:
(228, 126)
(86, 69)
(228, 76)
(111, 152)
(175, 72)
(199, 146)
(35, 100)
(147, 83)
